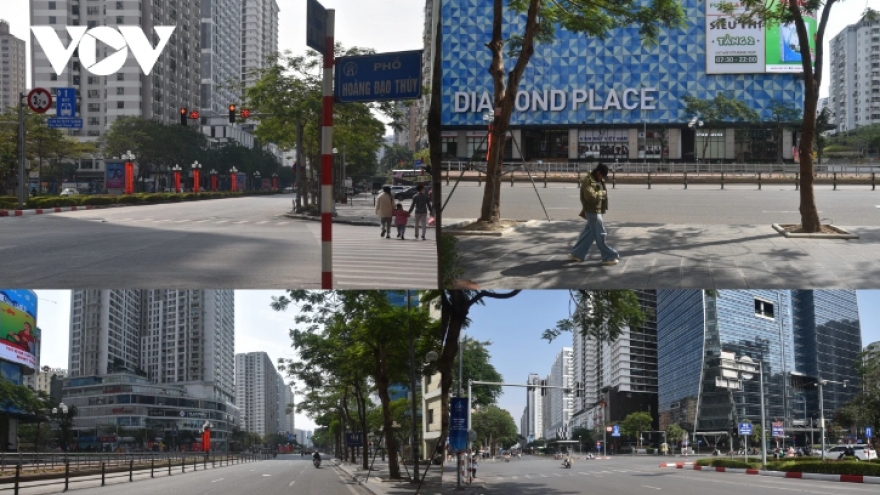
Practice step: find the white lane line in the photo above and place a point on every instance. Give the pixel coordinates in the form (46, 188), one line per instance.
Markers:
(282, 223)
(652, 487)
(243, 221)
(557, 475)
(267, 475)
(181, 221)
(529, 476)
(792, 483)
(264, 221)
(222, 221)
(543, 475)
(221, 479)
(202, 221)
(516, 477)
(291, 483)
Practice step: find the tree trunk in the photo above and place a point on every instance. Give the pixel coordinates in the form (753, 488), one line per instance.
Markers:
(362, 417)
(504, 100)
(779, 133)
(434, 142)
(382, 382)
(812, 80)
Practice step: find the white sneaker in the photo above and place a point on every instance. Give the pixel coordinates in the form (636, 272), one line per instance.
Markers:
(611, 262)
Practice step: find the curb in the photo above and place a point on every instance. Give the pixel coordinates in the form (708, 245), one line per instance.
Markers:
(679, 465)
(840, 478)
(42, 211)
(790, 235)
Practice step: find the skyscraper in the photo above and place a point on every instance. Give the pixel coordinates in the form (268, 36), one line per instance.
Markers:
(854, 72)
(560, 401)
(174, 82)
(105, 332)
(12, 68)
(259, 36)
(256, 385)
(808, 332)
(618, 377)
(534, 413)
(221, 50)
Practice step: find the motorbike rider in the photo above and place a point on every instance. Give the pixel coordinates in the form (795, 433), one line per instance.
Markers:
(316, 457)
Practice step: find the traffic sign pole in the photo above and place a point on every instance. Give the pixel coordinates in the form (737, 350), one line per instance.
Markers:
(327, 158)
(22, 187)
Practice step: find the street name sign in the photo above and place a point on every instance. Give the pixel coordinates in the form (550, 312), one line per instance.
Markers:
(316, 26)
(745, 428)
(379, 77)
(65, 123)
(778, 429)
(616, 431)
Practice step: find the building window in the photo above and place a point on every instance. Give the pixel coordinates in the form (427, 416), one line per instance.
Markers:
(603, 143)
(764, 309)
(120, 91)
(545, 144)
(449, 147)
(52, 5)
(52, 19)
(711, 144)
(120, 76)
(430, 416)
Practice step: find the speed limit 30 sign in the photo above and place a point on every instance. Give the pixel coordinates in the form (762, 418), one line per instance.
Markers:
(39, 100)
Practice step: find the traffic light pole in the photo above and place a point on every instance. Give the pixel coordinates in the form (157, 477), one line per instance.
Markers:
(327, 157)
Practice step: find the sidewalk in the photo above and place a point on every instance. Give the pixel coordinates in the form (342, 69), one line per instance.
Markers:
(379, 483)
(668, 256)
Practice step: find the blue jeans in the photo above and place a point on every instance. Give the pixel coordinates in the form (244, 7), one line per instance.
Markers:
(593, 231)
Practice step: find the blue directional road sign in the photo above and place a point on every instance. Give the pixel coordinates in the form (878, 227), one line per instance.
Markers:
(745, 428)
(869, 432)
(65, 123)
(65, 103)
(379, 77)
(353, 439)
(615, 432)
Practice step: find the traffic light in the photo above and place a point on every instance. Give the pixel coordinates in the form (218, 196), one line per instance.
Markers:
(194, 115)
(245, 113)
(231, 114)
(183, 116)
(543, 390)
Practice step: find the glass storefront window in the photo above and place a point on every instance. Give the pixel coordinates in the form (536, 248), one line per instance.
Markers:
(653, 144)
(711, 144)
(542, 145)
(603, 143)
(449, 147)
(477, 147)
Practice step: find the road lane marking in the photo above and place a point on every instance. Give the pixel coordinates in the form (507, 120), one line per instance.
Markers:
(221, 479)
(243, 221)
(794, 482)
(267, 475)
(543, 475)
(202, 221)
(653, 487)
(291, 483)
(264, 221)
(222, 221)
(282, 223)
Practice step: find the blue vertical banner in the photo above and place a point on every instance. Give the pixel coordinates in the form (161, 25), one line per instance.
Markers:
(458, 427)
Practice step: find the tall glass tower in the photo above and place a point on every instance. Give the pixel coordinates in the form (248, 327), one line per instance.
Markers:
(815, 333)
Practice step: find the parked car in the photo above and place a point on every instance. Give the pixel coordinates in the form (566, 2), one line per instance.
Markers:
(69, 191)
(288, 190)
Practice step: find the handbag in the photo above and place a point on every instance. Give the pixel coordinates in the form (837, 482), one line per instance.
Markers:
(431, 221)
(583, 214)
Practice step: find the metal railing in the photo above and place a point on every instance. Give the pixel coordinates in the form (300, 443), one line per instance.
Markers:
(669, 168)
(20, 471)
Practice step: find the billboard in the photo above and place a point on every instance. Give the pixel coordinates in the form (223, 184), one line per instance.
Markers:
(734, 47)
(18, 327)
(115, 175)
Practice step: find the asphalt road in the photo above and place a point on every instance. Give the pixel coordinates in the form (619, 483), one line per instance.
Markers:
(241, 243)
(740, 204)
(638, 476)
(284, 475)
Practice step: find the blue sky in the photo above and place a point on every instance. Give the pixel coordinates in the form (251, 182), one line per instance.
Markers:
(515, 325)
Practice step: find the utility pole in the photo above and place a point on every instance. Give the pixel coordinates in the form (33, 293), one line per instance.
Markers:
(22, 143)
(412, 381)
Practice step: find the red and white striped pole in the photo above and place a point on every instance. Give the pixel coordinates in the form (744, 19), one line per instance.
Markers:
(327, 158)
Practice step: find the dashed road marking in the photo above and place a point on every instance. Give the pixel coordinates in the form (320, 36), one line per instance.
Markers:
(291, 483)
(652, 487)
(221, 479)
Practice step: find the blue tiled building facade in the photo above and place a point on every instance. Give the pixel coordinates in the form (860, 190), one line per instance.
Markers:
(566, 109)
(816, 333)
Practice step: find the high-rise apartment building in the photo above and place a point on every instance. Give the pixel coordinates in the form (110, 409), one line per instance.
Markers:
(618, 377)
(12, 68)
(220, 61)
(285, 398)
(105, 332)
(854, 71)
(560, 401)
(256, 385)
(814, 333)
(259, 36)
(533, 422)
(175, 80)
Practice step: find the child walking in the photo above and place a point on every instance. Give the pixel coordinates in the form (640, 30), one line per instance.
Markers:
(401, 217)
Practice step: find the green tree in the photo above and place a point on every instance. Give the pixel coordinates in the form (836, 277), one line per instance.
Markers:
(635, 423)
(374, 329)
(592, 18)
(602, 315)
(786, 115)
(585, 437)
(813, 61)
(476, 365)
(715, 113)
(396, 157)
(674, 434)
(494, 425)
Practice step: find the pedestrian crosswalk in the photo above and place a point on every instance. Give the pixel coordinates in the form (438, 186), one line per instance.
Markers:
(492, 478)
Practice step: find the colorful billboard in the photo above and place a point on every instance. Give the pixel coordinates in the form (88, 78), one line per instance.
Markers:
(115, 175)
(18, 327)
(734, 47)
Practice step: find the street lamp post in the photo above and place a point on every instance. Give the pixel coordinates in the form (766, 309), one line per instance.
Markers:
(233, 178)
(196, 166)
(213, 180)
(129, 172)
(821, 384)
(176, 169)
(695, 124)
(62, 424)
(258, 185)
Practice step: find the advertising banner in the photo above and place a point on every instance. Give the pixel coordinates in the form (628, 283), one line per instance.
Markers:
(115, 175)
(458, 427)
(733, 47)
(18, 327)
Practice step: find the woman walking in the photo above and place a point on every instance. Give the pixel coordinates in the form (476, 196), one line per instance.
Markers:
(594, 201)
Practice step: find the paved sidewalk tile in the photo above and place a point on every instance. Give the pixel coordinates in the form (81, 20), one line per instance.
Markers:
(657, 256)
